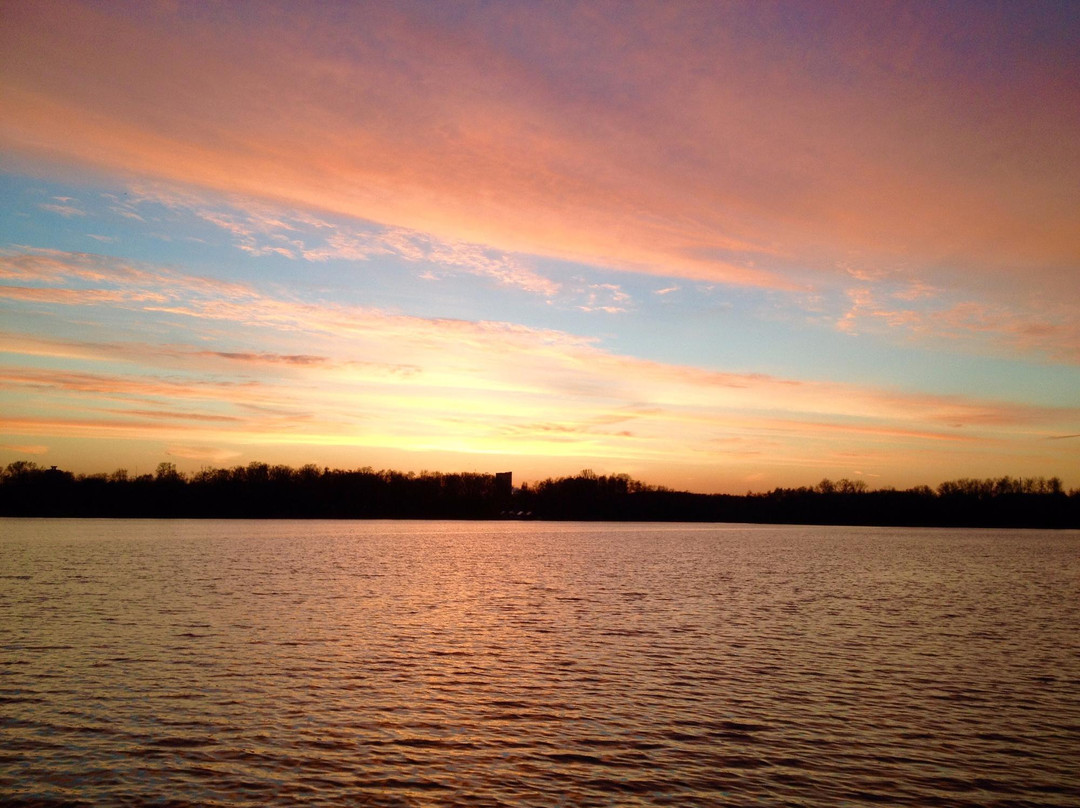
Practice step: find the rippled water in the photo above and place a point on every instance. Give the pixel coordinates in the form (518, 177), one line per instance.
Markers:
(481, 664)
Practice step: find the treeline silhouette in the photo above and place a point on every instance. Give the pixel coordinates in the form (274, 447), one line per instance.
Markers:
(259, 490)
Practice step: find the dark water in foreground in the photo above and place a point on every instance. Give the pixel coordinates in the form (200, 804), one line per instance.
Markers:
(448, 663)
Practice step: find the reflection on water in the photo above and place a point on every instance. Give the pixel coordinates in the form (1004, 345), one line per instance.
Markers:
(448, 663)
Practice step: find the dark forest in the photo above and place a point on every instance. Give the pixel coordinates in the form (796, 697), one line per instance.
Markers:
(258, 490)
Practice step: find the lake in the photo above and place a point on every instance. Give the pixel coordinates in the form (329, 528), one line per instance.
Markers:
(529, 663)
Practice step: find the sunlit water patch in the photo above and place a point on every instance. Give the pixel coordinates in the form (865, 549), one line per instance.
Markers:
(483, 664)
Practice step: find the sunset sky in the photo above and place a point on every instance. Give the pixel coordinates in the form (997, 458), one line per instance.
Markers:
(717, 246)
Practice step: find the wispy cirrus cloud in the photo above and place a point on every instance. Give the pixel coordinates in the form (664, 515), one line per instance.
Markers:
(266, 358)
(62, 210)
(130, 387)
(606, 297)
(559, 359)
(26, 448)
(721, 129)
(261, 229)
(905, 178)
(1052, 331)
(209, 453)
(447, 385)
(76, 297)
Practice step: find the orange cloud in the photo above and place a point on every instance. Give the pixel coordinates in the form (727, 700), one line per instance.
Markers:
(501, 389)
(32, 448)
(710, 143)
(39, 386)
(210, 453)
(487, 355)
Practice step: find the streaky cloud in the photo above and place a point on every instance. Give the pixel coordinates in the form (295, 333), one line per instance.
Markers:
(503, 388)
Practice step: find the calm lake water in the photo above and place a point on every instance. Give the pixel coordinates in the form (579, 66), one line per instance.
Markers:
(484, 663)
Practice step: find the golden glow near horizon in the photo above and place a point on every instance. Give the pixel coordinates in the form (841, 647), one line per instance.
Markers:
(677, 241)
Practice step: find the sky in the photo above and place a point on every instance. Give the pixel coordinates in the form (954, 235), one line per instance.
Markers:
(717, 246)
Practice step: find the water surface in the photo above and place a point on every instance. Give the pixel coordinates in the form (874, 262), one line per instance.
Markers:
(465, 663)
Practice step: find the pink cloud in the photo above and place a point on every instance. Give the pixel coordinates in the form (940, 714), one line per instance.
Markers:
(605, 297)
(502, 389)
(1052, 332)
(717, 130)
